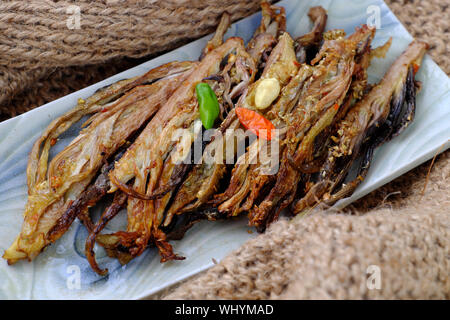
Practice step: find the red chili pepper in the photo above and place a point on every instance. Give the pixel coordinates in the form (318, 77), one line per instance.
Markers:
(415, 68)
(336, 106)
(255, 122)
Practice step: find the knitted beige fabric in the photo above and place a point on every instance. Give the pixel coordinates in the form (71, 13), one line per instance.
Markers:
(35, 39)
(326, 255)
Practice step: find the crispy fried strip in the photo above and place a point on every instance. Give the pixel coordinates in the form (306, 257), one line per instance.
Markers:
(272, 26)
(247, 181)
(112, 210)
(217, 39)
(88, 198)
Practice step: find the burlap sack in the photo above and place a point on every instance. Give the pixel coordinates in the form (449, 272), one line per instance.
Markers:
(397, 228)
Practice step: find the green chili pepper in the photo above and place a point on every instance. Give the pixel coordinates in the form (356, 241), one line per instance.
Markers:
(207, 104)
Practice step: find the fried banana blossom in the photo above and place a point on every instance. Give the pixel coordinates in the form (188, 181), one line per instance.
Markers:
(150, 164)
(204, 180)
(117, 112)
(383, 113)
(322, 95)
(249, 178)
(146, 143)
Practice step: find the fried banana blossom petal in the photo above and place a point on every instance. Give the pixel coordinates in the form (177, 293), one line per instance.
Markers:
(383, 113)
(53, 187)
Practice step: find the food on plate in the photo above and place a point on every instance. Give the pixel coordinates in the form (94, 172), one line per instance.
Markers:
(190, 141)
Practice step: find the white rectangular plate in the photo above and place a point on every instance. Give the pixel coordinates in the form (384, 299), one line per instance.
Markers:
(54, 274)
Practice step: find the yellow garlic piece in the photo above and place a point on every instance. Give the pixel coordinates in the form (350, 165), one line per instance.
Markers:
(266, 92)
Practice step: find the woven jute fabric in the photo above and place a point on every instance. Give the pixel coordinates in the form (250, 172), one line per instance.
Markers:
(400, 231)
(45, 53)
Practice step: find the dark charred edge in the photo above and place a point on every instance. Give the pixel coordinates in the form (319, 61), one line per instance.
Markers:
(409, 105)
(401, 114)
(186, 168)
(158, 193)
(321, 142)
(88, 198)
(117, 205)
(93, 193)
(177, 177)
(402, 109)
(274, 214)
(329, 179)
(308, 45)
(385, 130)
(182, 223)
(222, 65)
(216, 77)
(310, 199)
(275, 201)
(318, 160)
(397, 103)
(261, 64)
(367, 156)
